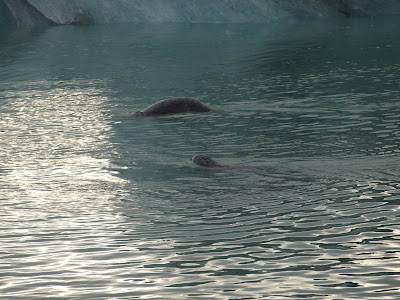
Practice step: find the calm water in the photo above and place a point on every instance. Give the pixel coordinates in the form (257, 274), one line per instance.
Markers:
(97, 205)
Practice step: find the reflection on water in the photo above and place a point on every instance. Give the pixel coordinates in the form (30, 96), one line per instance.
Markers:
(98, 205)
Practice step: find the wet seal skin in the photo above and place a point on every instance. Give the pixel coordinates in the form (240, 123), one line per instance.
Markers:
(205, 161)
(174, 106)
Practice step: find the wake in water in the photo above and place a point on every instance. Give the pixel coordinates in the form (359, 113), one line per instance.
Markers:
(207, 162)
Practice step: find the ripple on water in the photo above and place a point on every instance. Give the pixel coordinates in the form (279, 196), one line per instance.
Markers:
(331, 234)
(96, 206)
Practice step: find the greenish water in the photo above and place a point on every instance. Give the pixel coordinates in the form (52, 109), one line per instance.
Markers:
(98, 205)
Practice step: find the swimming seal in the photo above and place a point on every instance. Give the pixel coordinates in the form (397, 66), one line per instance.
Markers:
(174, 106)
(207, 162)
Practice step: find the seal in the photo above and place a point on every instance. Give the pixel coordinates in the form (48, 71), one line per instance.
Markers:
(174, 106)
(207, 162)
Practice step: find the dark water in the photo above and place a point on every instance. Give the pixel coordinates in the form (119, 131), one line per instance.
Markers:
(97, 205)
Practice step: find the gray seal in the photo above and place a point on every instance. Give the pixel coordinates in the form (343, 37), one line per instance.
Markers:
(174, 106)
(207, 162)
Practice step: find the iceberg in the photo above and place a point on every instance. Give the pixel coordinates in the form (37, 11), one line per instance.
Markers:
(81, 12)
(21, 13)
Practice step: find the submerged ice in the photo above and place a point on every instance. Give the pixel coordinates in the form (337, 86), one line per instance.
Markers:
(30, 12)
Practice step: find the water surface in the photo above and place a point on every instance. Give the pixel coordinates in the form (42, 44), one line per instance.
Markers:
(98, 205)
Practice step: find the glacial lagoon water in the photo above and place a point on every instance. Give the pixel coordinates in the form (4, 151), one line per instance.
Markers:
(98, 205)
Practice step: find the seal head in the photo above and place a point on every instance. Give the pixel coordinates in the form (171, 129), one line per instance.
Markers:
(205, 161)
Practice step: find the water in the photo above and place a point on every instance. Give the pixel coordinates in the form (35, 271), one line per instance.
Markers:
(98, 205)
